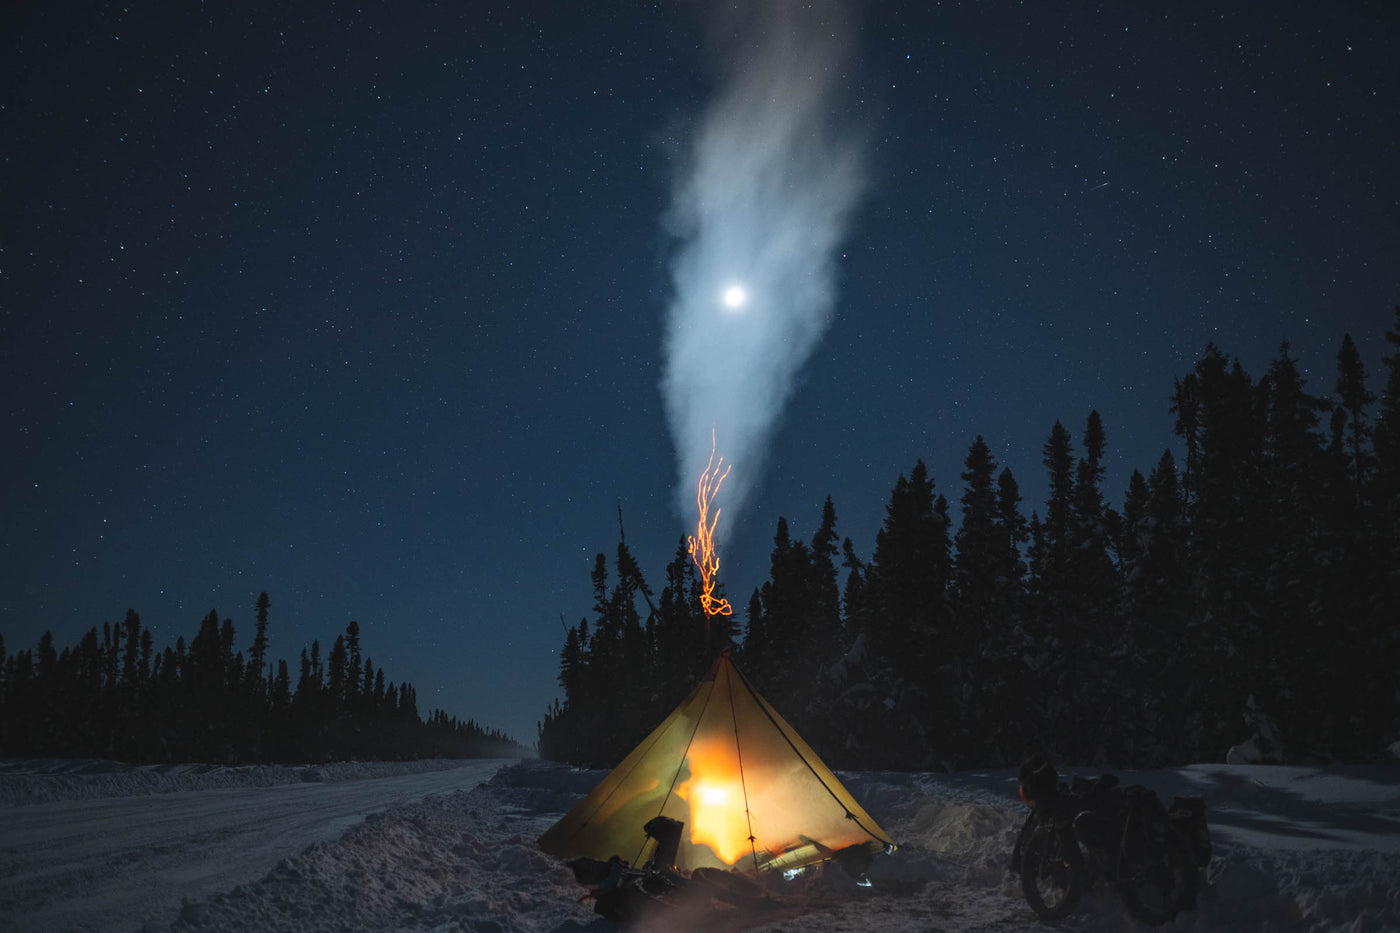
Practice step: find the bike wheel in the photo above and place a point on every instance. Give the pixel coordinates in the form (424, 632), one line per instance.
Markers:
(1052, 873)
(1161, 888)
(1018, 851)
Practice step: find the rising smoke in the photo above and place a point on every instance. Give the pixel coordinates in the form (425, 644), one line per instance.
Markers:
(763, 202)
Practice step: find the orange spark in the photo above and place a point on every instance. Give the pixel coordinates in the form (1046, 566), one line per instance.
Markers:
(702, 543)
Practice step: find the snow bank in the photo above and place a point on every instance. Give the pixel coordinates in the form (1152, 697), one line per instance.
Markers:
(31, 781)
(460, 862)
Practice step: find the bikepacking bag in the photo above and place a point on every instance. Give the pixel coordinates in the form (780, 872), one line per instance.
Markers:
(1098, 802)
(1188, 816)
(1038, 778)
(1100, 794)
(1145, 823)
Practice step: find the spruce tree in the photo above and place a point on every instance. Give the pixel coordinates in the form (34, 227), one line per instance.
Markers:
(1293, 686)
(1155, 609)
(825, 640)
(1058, 458)
(144, 672)
(978, 563)
(1014, 530)
(257, 656)
(1054, 632)
(1387, 441)
(1092, 624)
(1355, 399)
(1186, 405)
(906, 620)
(824, 627)
(336, 672)
(304, 681)
(281, 693)
(770, 650)
(1130, 544)
(131, 655)
(1385, 530)
(633, 664)
(352, 661)
(111, 641)
(570, 662)
(1228, 538)
(681, 630)
(987, 598)
(854, 598)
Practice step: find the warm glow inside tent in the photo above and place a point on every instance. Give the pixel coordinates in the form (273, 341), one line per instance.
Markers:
(751, 793)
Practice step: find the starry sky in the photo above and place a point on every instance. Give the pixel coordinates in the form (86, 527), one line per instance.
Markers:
(368, 307)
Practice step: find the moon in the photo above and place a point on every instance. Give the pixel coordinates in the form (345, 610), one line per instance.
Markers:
(735, 297)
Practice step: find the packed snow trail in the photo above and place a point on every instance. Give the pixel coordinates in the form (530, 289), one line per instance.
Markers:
(124, 863)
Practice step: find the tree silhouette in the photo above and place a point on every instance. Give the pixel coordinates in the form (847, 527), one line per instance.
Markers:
(1251, 587)
(257, 655)
(111, 695)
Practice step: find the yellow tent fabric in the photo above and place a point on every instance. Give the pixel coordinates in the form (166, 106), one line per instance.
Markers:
(751, 793)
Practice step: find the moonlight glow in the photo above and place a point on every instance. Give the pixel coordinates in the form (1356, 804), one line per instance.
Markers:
(735, 297)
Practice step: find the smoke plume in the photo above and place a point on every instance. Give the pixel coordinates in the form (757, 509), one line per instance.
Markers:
(761, 203)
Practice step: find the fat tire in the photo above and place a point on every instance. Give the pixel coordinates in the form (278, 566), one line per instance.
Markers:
(1180, 881)
(1052, 854)
(1018, 851)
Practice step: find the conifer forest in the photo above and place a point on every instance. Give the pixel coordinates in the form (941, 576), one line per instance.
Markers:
(1243, 591)
(114, 696)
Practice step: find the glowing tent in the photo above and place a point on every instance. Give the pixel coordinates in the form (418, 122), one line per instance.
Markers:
(751, 794)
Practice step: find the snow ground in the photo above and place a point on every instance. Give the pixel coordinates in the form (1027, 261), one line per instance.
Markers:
(1295, 849)
(90, 845)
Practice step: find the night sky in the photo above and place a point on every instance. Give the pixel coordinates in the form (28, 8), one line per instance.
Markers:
(369, 308)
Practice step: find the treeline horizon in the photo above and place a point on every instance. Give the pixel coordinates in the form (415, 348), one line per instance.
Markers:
(113, 696)
(1248, 596)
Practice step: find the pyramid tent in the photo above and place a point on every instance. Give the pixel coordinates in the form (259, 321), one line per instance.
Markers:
(751, 794)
